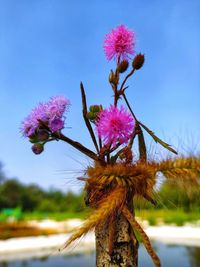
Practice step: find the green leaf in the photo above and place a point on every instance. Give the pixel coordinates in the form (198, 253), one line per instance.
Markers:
(158, 140)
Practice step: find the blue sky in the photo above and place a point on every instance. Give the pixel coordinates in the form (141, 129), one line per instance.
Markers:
(47, 47)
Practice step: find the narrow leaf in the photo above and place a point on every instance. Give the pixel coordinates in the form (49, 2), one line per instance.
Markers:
(158, 140)
(142, 146)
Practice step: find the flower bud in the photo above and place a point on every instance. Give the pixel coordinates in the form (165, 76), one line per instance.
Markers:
(43, 135)
(95, 108)
(33, 138)
(138, 61)
(37, 149)
(123, 66)
(113, 78)
(91, 116)
(93, 113)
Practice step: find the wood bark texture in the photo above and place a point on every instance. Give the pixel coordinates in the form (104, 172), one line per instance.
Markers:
(125, 245)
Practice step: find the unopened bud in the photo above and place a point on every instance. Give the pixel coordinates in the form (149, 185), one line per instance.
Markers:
(43, 135)
(93, 113)
(95, 108)
(33, 138)
(123, 66)
(91, 116)
(37, 149)
(138, 61)
(113, 78)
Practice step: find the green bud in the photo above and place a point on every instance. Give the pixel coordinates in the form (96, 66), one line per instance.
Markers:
(33, 138)
(93, 112)
(91, 116)
(95, 108)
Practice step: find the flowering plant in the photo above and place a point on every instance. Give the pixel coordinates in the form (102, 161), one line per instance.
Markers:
(116, 176)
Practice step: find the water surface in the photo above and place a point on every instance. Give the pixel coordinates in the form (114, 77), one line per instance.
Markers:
(171, 256)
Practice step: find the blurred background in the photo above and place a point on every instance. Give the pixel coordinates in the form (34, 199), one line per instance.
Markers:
(46, 48)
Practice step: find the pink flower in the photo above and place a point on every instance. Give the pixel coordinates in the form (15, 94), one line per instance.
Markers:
(119, 43)
(115, 125)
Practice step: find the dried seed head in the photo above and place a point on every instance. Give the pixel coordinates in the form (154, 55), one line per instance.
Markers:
(138, 61)
(123, 66)
(37, 149)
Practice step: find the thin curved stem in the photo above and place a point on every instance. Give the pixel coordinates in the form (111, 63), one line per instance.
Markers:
(129, 107)
(141, 141)
(126, 78)
(76, 145)
(87, 122)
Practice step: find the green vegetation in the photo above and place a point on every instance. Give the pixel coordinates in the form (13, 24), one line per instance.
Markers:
(175, 205)
(166, 216)
(27, 202)
(33, 198)
(38, 203)
(22, 202)
(58, 216)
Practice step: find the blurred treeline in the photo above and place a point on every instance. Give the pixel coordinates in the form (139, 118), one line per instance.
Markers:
(173, 197)
(34, 198)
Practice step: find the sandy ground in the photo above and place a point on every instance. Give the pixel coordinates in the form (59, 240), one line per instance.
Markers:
(27, 247)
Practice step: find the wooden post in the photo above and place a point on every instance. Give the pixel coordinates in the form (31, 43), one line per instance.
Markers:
(125, 245)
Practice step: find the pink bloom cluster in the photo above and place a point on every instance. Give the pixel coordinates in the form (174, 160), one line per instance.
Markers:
(115, 125)
(119, 43)
(50, 113)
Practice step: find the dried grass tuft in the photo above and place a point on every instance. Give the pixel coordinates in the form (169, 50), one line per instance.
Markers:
(185, 172)
(138, 178)
(137, 228)
(107, 206)
(108, 188)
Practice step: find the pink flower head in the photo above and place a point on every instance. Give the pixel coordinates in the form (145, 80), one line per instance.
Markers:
(115, 125)
(50, 113)
(119, 43)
